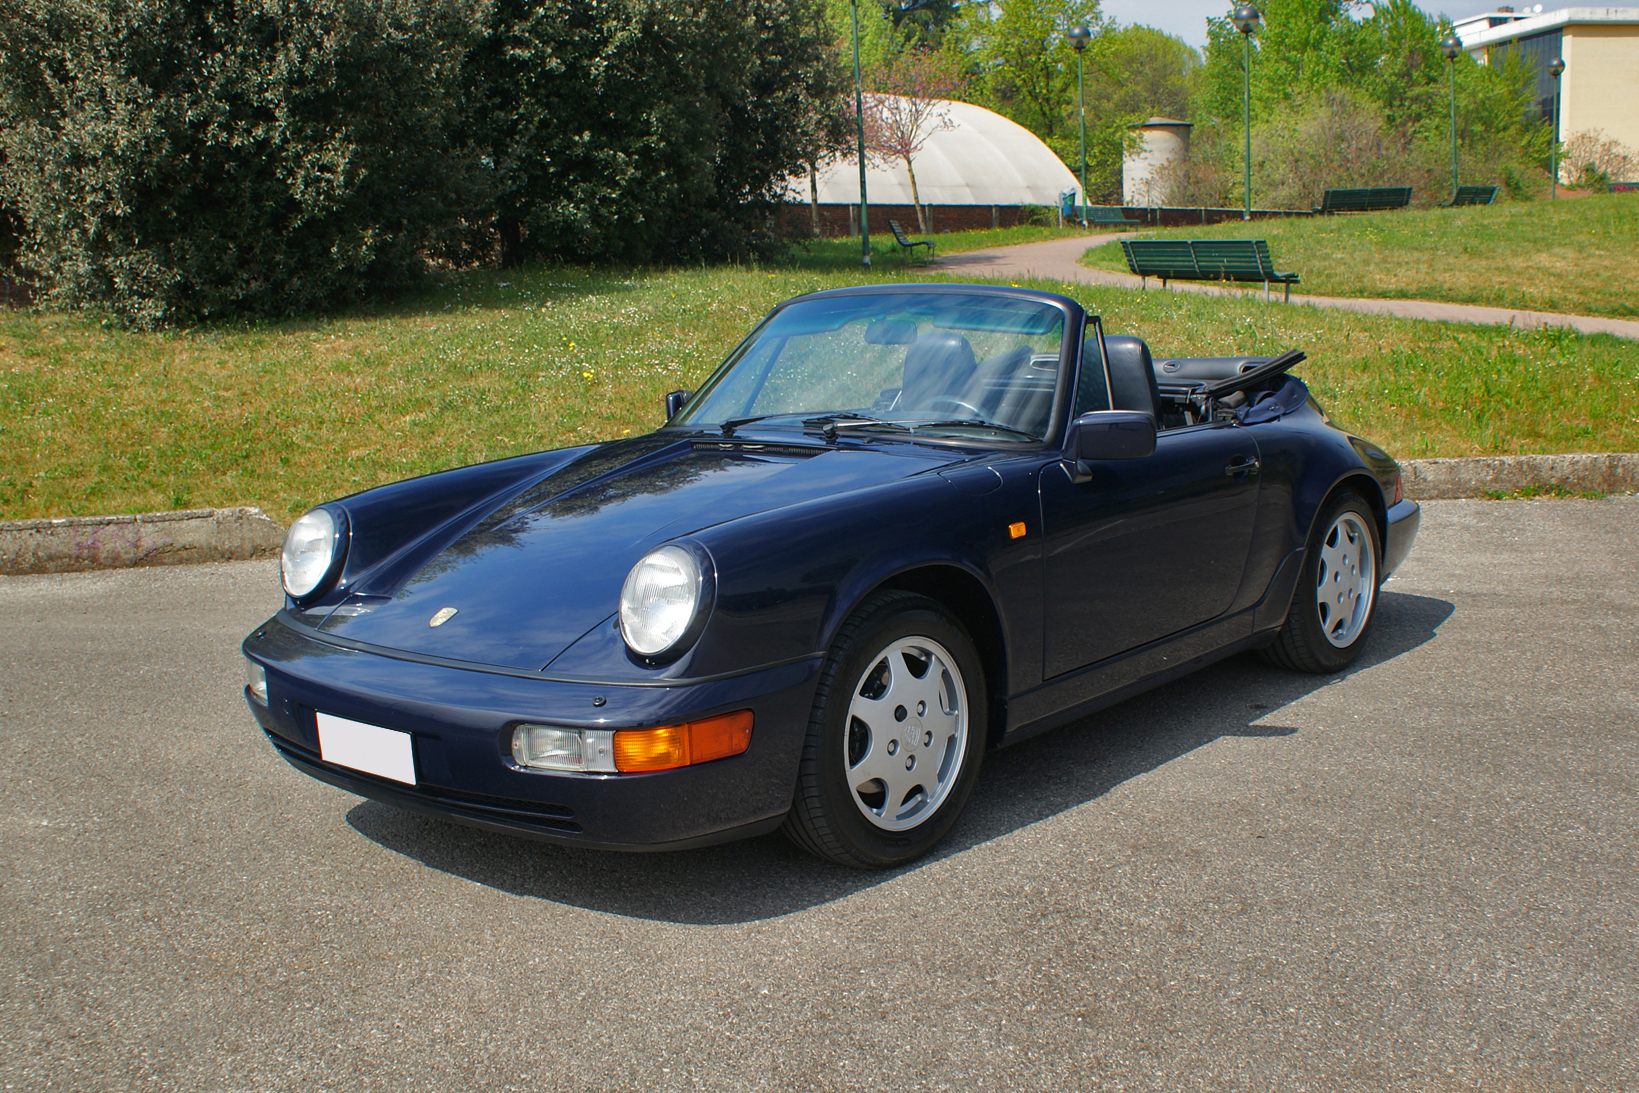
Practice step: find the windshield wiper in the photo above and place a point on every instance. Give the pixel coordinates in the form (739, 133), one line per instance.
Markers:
(971, 422)
(828, 424)
(734, 423)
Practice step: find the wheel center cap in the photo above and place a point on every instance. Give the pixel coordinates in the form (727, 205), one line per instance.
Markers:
(913, 733)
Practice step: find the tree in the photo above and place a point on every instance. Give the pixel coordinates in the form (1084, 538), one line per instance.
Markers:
(1020, 64)
(179, 160)
(1319, 75)
(1020, 60)
(649, 130)
(920, 24)
(1137, 72)
(907, 110)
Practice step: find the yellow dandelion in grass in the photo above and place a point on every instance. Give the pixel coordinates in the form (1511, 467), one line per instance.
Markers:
(586, 375)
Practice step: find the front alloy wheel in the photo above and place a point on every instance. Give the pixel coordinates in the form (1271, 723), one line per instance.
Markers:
(896, 737)
(1333, 606)
(907, 733)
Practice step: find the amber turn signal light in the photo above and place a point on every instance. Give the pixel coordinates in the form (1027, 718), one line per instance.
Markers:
(672, 746)
(1015, 530)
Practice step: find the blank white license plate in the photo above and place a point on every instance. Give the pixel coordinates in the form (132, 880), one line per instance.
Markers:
(370, 748)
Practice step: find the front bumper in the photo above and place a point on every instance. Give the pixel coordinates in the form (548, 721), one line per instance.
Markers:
(460, 721)
(1403, 521)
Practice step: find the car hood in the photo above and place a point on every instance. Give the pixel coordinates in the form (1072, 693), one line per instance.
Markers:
(547, 565)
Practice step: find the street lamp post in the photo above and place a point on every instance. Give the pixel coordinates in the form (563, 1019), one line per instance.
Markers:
(1079, 37)
(1556, 69)
(859, 121)
(1452, 47)
(1247, 20)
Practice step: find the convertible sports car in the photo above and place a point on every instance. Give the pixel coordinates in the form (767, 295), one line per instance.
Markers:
(897, 527)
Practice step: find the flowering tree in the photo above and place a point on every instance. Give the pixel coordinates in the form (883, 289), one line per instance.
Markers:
(907, 108)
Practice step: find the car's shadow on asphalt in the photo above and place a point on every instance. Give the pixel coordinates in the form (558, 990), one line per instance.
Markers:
(766, 877)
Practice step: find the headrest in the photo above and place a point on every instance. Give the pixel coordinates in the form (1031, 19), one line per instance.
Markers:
(939, 362)
(1132, 375)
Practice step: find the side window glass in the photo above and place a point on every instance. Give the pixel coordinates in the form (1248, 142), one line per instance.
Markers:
(1092, 388)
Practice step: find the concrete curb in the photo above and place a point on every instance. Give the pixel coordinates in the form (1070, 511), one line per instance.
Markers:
(225, 535)
(150, 538)
(1444, 479)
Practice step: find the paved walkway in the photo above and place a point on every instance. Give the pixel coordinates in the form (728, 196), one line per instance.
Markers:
(1056, 260)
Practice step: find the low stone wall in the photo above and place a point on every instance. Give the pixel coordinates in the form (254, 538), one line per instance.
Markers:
(1436, 479)
(150, 538)
(223, 535)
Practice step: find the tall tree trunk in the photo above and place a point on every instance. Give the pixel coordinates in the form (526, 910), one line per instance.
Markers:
(813, 198)
(916, 198)
(511, 235)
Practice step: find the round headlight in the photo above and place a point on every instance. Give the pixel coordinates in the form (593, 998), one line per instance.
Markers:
(659, 600)
(310, 548)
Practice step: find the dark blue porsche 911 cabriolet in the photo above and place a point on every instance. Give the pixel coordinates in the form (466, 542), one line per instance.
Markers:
(899, 526)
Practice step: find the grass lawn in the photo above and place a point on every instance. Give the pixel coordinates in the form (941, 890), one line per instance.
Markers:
(843, 255)
(1575, 256)
(96, 420)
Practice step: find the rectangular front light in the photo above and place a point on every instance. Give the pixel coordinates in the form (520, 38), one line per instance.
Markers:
(672, 746)
(256, 681)
(550, 747)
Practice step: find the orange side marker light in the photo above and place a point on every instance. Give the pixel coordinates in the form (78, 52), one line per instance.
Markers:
(1015, 530)
(672, 746)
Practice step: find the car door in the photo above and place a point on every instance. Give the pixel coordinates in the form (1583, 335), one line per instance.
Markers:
(1145, 547)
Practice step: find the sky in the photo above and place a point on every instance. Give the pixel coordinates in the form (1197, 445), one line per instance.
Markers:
(1187, 18)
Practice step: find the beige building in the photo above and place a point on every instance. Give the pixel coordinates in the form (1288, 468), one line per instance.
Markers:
(1600, 48)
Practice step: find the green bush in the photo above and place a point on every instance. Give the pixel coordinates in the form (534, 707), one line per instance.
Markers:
(177, 159)
(649, 130)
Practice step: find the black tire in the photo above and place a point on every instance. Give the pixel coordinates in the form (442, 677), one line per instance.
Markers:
(827, 818)
(1302, 644)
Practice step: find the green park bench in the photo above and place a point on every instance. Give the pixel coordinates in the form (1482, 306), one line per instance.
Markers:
(1099, 216)
(1366, 200)
(1472, 195)
(907, 247)
(1205, 260)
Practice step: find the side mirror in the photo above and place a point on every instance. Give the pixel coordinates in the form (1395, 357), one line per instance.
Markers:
(675, 401)
(1112, 434)
(1108, 435)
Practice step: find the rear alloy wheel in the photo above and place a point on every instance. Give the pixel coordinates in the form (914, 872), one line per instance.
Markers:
(1336, 597)
(896, 737)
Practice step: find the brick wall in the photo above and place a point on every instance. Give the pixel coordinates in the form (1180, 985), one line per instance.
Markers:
(841, 220)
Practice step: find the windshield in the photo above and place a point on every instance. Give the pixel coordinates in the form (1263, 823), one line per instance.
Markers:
(956, 364)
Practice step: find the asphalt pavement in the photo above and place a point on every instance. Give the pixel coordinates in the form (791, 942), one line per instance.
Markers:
(1421, 874)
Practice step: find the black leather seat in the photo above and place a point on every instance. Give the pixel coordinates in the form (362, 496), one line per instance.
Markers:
(1132, 375)
(938, 365)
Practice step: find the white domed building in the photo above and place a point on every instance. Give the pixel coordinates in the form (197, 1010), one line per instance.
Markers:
(977, 169)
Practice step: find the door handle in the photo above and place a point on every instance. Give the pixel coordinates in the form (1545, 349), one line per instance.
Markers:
(1242, 465)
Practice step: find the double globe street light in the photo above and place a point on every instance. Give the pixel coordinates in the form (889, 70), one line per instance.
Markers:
(1079, 38)
(1452, 47)
(1248, 20)
(1556, 69)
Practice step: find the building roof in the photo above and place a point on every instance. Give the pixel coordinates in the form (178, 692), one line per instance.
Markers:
(982, 159)
(1497, 27)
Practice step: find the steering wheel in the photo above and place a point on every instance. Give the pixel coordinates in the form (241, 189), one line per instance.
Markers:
(947, 400)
